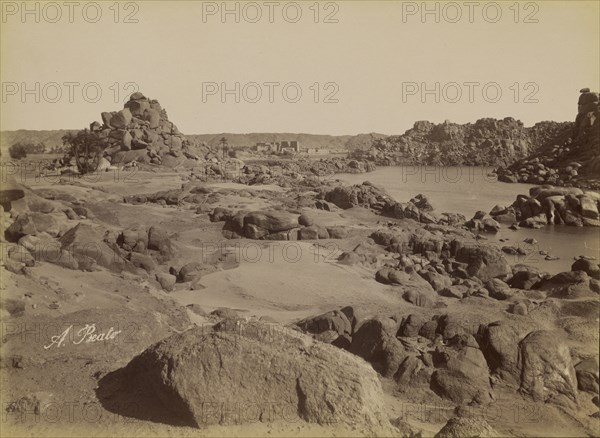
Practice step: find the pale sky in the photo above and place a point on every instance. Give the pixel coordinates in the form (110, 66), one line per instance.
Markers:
(364, 61)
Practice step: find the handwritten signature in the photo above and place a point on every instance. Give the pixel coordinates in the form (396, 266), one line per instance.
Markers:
(85, 335)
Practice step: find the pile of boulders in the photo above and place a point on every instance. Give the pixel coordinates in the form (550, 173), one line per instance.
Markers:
(573, 152)
(283, 225)
(141, 132)
(456, 356)
(374, 197)
(60, 232)
(541, 170)
(483, 143)
(452, 268)
(552, 205)
(38, 229)
(41, 228)
(426, 264)
(286, 172)
(273, 225)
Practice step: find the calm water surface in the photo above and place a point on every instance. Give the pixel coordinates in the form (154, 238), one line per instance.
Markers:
(468, 189)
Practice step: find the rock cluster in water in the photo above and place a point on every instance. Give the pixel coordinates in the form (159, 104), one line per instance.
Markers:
(551, 205)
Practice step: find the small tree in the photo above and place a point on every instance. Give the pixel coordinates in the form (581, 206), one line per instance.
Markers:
(87, 147)
(17, 151)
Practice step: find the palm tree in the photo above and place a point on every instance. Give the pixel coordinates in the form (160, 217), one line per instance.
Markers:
(224, 147)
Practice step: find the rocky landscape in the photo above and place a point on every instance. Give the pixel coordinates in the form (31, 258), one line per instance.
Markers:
(563, 154)
(552, 153)
(566, 157)
(488, 142)
(176, 291)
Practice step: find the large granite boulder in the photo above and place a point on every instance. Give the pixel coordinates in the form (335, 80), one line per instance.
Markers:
(499, 342)
(484, 261)
(547, 370)
(590, 267)
(85, 244)
(242, 373)
(375, 341)
(462, 373)
(272, 221)
(366, 195)
(335, 321)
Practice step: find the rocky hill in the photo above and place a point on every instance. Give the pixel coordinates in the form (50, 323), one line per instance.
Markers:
(558, 153)
(487, 142)
(142, 132)
(481, 143)
(567, 154)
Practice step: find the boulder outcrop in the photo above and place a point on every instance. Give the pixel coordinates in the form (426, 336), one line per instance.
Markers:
(483, 143)
(547, 369)
(243, 372)
(141, 133)
(557, 205)
(567, 154)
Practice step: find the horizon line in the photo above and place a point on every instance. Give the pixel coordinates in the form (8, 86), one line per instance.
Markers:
(309, 133)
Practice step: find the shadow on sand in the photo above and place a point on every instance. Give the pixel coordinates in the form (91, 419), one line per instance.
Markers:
(118, 396)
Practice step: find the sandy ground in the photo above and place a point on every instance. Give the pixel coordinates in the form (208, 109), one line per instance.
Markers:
(281, 281)
(263, 287)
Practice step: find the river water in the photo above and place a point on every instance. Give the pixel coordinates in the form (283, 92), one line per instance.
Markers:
(468, 189)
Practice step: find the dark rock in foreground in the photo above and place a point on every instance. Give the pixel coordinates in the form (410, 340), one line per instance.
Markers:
(257, 372)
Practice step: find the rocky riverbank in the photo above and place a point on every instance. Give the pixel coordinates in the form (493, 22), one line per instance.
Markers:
(428, 339)
(554, 153)
(487, 142)
(278, 300)
(548, 205)
(570, 158)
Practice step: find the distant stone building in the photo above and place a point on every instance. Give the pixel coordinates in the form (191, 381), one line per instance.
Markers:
(264, 147)
(289, 146)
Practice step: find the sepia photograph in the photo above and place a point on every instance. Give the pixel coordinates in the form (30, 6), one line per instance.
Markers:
(311, 218)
